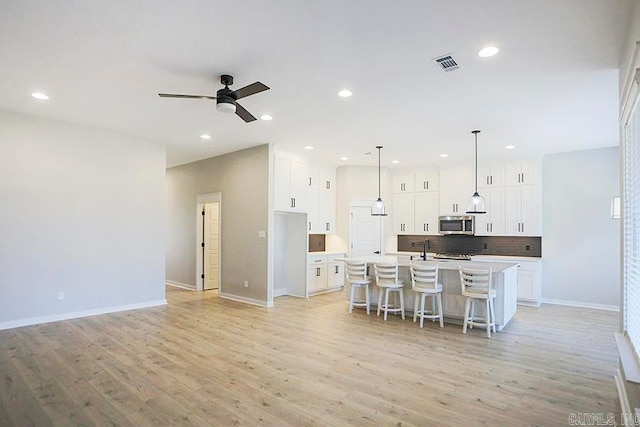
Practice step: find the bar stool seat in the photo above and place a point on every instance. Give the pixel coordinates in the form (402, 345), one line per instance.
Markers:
(387, 280)
(358, 279)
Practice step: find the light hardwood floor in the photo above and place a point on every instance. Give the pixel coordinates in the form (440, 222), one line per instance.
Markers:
(203, 360)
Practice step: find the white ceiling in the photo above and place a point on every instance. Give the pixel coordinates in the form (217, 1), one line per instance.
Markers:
(552, 88)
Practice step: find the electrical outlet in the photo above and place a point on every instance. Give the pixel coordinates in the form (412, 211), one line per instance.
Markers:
(485, 246)
(246, 283)
(527, 248)
(60, 295)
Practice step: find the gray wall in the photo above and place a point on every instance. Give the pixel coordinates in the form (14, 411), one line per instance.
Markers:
(580, 242)
(82, 212)
(243, 179)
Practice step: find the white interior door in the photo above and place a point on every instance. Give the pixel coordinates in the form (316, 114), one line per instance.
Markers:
(211, 250)
(365, 232)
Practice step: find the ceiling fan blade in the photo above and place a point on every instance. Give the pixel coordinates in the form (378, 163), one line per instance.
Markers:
(244, 114)
(253, 88)
(173, 95)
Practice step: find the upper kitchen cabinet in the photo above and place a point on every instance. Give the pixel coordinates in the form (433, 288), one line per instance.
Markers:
(322, 178)
(403, 213)
(522, 214)
(403, 184)
(491, 176)
(322, 200)
(426, 212)
(427, 181)
(456, 187)
(521, 173)
(493, 222)
(291, 182)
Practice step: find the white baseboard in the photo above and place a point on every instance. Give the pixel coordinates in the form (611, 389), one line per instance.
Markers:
(581, 304)
(76, 314)
(279, 292)
(245, 300)
(180, 285)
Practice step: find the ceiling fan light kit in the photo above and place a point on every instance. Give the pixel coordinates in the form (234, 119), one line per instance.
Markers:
(226, 99)
(476, 202)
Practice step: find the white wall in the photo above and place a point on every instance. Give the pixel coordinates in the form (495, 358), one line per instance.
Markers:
(82, 212)
(580, 242)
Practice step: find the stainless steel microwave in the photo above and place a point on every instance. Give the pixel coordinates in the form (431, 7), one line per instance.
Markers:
(457, 224)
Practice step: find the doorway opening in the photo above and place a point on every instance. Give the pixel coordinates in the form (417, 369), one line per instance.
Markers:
(208, 242)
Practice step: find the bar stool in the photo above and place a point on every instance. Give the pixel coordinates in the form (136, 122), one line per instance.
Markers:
(387, 279)
(476, 285)
(424, 281)
(357, 277)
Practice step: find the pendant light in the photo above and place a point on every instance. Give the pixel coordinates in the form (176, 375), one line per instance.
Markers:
(476, 203)
(377, 209)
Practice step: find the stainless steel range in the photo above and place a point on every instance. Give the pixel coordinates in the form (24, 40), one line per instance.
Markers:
(459, 257)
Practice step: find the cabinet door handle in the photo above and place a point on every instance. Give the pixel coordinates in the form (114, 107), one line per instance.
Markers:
(337, 270)
(424, 227)
(523, 227)
(523, 179)
(491, 179)
(487, 179)
(328, 185)
(309, 181)
(309, 225)
(328, 227)
(317, 271)
(426, 185)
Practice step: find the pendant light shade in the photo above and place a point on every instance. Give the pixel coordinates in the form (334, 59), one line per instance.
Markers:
(476, 202)
(378, 209)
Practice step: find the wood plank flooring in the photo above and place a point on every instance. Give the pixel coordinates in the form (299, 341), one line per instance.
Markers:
(205, 361)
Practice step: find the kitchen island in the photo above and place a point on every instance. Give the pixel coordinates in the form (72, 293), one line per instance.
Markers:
(505, 281)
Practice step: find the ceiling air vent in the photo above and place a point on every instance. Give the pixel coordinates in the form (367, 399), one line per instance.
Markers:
(446, 62)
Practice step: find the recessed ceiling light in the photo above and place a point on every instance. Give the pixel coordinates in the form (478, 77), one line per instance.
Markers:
(345, 93)
(266, 117)
(344, 158)
(308, 147)
(443, 155)
(395, 161)
(205, 136)
(509, 147)
(39, 95)
(488, 51)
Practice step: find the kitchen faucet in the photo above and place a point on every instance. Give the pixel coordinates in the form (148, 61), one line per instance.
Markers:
(425, 246)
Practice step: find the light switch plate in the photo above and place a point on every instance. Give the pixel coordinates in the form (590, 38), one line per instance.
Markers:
(262, 233)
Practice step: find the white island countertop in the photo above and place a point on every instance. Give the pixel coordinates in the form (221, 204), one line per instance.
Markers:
(444, 264)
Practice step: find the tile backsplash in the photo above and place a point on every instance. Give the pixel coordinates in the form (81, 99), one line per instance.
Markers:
(474, 245)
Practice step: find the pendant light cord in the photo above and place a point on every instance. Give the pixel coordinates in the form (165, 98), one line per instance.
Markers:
(379, 147)
(476, 132)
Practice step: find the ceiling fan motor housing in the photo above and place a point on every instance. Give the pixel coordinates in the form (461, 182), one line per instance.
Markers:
(226, 99)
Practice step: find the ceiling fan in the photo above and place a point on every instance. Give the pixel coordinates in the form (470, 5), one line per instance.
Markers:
(226, 99)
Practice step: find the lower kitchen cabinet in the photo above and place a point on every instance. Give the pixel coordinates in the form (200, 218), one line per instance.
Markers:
(529, 277)
(325, 273)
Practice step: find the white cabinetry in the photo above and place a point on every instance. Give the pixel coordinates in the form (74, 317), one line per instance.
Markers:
(521, 173)
(529, 282)
(403, 213)
(290, 184)
(316, 273)
(456, 187)
(321, 201)
(428, 180)
(403, 183)
(324, 273)
(493, 222)
(522, 214)
(426, 212)
(529, 290)
(491, 176)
